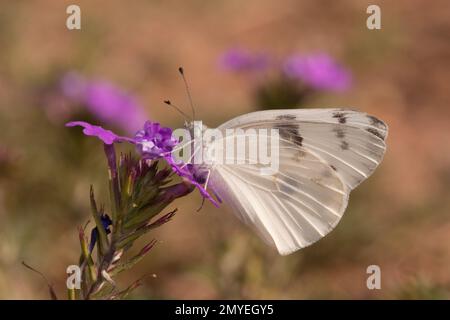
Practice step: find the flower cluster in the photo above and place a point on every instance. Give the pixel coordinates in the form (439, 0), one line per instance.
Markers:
(153, 142)
(289, 82)
(318, 71)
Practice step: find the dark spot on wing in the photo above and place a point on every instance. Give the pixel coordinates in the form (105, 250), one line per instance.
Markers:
(333, 167)
(298, 140)
(344, 145)
(375, 132)
(286, 117)
(289, 131)
(340, 133)
(376, 122)
(340, 116)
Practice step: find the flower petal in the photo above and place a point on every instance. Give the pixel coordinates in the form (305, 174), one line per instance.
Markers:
(155, 141)
(182, 171)
(107, 136)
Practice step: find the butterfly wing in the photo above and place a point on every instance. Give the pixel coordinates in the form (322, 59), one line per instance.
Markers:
(324, 154)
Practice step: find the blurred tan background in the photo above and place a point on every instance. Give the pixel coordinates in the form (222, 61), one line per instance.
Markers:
(398, 219)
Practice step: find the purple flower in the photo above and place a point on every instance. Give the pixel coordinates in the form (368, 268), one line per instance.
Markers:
(106, 223)
(318, 71)
(195, 175)
(241, 60)
(108, 137)
(155, 141)
(105, 101)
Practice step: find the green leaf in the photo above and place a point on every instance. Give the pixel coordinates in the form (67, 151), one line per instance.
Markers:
(144, 215)
(103, 242)
(131, 237)
(50, 287)
(123, 294)
(133, 261)
(87, 258)
(105, 290)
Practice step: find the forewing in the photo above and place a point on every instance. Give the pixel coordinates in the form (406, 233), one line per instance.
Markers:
(351, 142)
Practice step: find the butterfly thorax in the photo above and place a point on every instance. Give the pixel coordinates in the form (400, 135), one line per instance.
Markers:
(196, 131)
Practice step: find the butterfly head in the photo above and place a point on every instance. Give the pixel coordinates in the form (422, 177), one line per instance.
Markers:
(196, 128)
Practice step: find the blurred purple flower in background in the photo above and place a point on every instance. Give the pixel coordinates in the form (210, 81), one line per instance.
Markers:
(319, 71)
(105, 101)
(242, 60)
(289, 82)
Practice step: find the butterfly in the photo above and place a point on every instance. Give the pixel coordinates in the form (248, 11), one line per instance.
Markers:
(323, 155)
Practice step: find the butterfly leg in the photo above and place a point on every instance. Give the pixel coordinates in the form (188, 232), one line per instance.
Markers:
(207, 179)
(206, 186)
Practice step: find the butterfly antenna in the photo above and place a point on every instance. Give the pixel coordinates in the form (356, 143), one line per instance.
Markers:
(185, 116)
(201, 206)
(181, 71)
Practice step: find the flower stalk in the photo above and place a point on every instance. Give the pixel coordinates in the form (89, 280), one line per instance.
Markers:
(140, 191)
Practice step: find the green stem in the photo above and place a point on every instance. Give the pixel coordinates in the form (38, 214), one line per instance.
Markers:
(103, 238)
(87, 256)
(71, 294)
(114, 186)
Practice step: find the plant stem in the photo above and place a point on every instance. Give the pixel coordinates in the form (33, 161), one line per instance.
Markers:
(114, 185)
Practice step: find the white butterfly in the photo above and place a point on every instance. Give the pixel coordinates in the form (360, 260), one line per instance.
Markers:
(323, 155)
